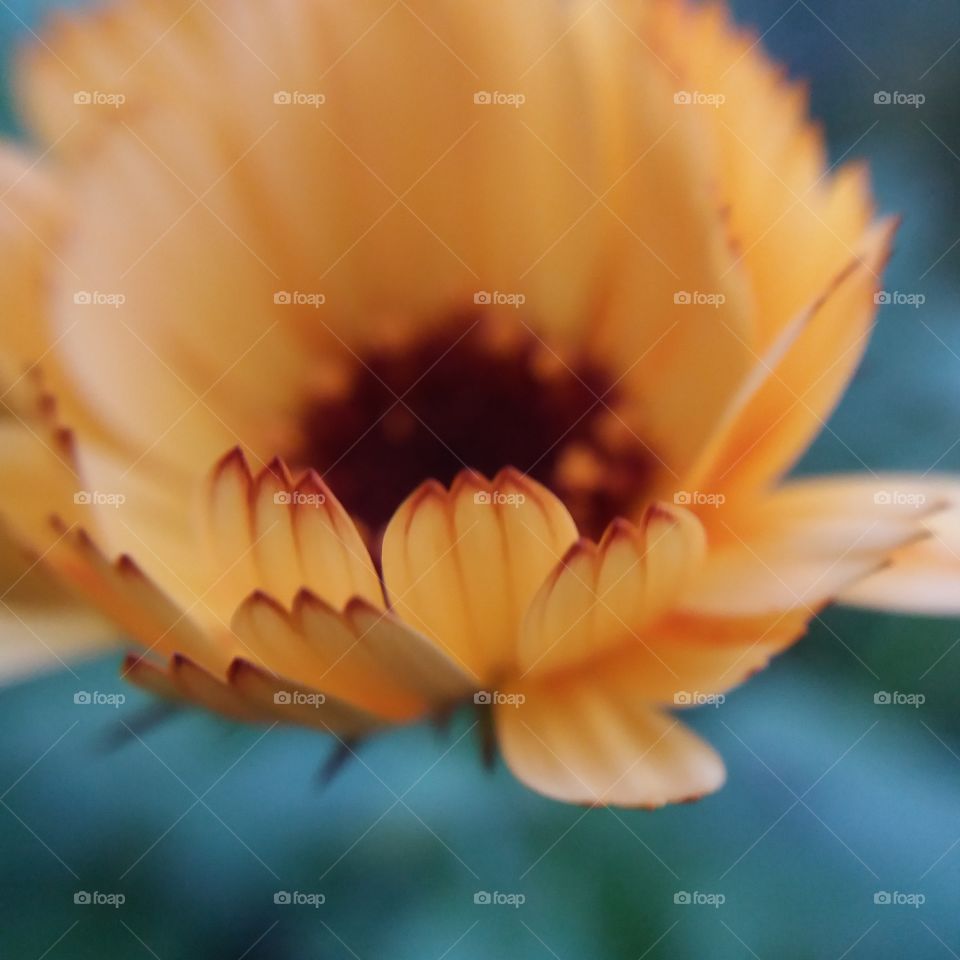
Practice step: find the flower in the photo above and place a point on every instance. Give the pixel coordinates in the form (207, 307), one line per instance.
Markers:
(373, 358)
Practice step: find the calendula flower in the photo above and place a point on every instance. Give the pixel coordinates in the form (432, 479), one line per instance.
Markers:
(369, 359)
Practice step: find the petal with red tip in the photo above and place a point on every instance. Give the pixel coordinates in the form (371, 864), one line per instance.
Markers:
(602, 596)
(462, 565)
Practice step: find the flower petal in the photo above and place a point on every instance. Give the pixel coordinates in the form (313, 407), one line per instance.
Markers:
(49, 636)
(599, 744)
(801, 545)
(770, 160)
(273, 533)
(602, 596)
(248, 695)
(124, 594)
(362, 655)
(28, 219)
(293, 702)
(462, 565)
(684, 657)
(922, 577)
(677, 359)
(797, 394)
(268, 196)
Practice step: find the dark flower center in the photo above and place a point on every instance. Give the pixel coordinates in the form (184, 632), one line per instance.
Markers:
(474, 394)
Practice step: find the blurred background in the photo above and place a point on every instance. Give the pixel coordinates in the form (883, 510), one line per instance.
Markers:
(833, 800)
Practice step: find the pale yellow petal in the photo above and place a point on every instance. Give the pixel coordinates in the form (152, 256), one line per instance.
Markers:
(804, 544)
(462, 565)
(599, 744)
(361, 655)
(602, 596)
(280, 534)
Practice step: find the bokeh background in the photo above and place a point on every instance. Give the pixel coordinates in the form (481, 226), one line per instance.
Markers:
(832, 798)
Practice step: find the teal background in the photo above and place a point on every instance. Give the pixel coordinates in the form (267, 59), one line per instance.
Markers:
(831, 798)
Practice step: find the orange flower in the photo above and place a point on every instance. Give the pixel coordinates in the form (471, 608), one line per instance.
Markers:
(371, 358)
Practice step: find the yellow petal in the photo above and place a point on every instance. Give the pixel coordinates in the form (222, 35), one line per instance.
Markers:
(293, 702)
(599, 744)
(677, 322)
(249, 695)
(802, 545)
(797, 394)
(922, 577)
(462, 565)
(35, 639)
(684, 658)
(28, 219)
(602, 596)
(284, 197)
(278, 534)
(362, 655)
(124, 594)
(770, 161)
